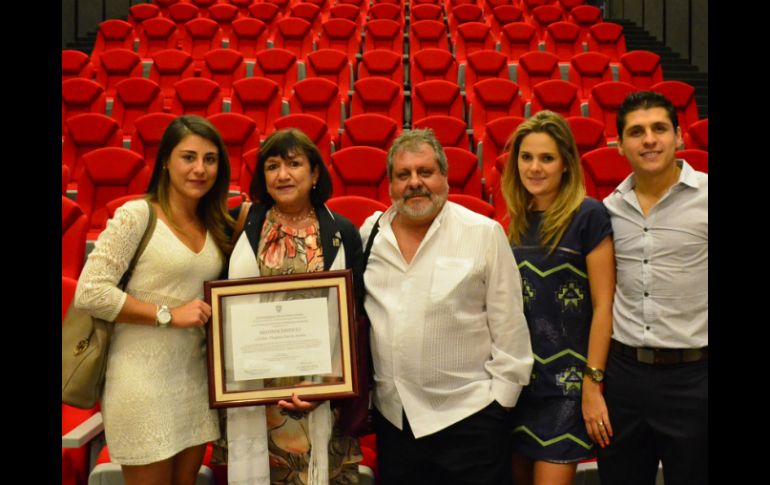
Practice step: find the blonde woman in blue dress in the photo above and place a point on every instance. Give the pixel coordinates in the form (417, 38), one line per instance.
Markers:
(562, 241)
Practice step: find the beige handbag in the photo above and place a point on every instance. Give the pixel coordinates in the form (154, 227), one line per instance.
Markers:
(85, 342)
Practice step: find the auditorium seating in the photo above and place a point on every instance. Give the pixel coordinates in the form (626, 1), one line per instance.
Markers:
(697, 135)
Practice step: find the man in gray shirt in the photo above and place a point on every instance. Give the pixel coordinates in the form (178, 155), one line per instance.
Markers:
(656, 384)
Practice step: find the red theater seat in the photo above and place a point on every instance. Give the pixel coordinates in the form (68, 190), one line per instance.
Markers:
(588, 69)
(475, 204)
(342, 35)
(74, 228)
(279, 65)
(196, 96)
(169, 66)
(357, 209)
(449, 131)
(135, 97)
(115, 66)
(148, 131)
(492, 99)
(604, 169)
(493, 144)
(112, 34)
(384, 34)
(157, 34)
(347, 12)
(140, 12)
(378, 95)
(425, 34)
(586, 16)
(483, 64)
(535, 67)
(640, 68)
(314, 127)
(65, 179)
(463, 13)
(182, 13)
(268, 14)
(108, 173)
(249, 36)
(258, 98)
(247, 170)
(370, 129)
(295, 35)
(607, 38)
(224, 14)
(86, 132)
(433, 64)
(682, 96)
(240, 134)
(588, 133)
(308, 12)
(436, 97)
(563, 39)
(543, 16)
(472, 37)
(198, 36)
(75, 64)
(361, 171)
(426, 11)
(333, 65)
(697, 135)
(382, 63)
(224, 67)
(603, 104)
(517, 39)
(556, 95)
(464, 175)
(79, 95)
(319, 97)
(503, 15)
(698, 159)
(389, 11)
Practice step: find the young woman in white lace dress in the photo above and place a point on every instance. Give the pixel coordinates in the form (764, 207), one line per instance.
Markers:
(155, 403)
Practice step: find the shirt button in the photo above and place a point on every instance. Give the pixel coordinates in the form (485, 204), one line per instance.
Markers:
(646, 294)
(645, 261)
(645, 229)
(647, 327)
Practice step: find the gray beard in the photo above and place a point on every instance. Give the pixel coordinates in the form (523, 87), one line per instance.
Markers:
(436, 203)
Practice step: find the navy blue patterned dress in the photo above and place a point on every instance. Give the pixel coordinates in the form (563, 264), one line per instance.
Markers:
(548, 420)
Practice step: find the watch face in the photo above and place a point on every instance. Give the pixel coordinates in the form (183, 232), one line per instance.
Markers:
(164, 316)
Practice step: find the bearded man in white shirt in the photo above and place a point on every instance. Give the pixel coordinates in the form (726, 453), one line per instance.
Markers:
(450, 344)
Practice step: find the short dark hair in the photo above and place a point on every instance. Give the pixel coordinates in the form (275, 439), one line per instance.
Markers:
(282, 143)
(644, 100)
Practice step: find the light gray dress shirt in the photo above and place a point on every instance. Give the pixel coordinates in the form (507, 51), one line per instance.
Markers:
(661, 296)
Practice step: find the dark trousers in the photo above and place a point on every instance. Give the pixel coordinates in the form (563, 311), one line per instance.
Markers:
(658, 412)
(475, 450)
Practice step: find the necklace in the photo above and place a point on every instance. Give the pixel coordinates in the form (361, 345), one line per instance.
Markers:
(279, 214)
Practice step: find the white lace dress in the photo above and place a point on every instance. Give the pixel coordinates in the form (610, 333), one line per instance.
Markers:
(155, 401)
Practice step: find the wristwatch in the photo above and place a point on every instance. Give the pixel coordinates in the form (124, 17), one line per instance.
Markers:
(163, 317)
(596, 375)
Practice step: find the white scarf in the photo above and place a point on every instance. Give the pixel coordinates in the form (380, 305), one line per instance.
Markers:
(248, 459)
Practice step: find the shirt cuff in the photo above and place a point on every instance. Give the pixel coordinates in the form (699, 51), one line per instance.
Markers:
(506, 393)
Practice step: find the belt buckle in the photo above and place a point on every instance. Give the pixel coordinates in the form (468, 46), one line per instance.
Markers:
(645, 356)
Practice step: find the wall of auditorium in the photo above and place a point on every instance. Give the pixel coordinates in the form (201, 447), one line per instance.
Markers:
(80, 17)
(680, 24)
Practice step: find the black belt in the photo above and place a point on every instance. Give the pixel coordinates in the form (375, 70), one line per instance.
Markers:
(660, 356)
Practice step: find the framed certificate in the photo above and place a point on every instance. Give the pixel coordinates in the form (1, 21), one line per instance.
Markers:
(273, 336)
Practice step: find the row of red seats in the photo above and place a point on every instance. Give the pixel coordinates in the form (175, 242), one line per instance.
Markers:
(247, 35)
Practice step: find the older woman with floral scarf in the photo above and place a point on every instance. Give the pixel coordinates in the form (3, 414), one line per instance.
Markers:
(289, 230)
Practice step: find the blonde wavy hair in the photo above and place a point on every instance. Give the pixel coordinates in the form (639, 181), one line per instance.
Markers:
(572, 191)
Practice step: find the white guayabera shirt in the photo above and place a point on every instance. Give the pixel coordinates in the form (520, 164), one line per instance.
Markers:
(448, 333)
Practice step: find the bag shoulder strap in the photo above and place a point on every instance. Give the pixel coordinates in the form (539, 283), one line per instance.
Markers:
(370, 241)
(142, 245)
(242, 214)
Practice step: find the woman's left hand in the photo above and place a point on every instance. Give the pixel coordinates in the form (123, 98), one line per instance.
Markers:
(297, 404)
